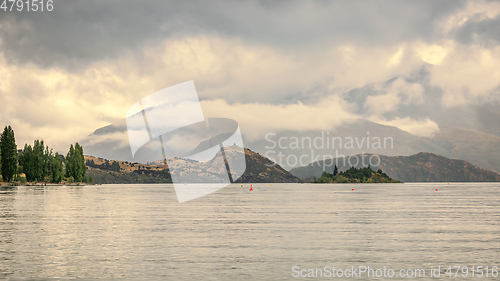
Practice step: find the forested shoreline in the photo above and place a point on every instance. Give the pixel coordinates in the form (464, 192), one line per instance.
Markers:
(356, 175)
(38, 164)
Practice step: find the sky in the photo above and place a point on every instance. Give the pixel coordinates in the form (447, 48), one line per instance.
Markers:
(267, 64)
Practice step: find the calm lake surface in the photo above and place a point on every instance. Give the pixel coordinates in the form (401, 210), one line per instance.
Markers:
(141, 232)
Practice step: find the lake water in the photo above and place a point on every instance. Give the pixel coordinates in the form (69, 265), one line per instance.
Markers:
(141, 232)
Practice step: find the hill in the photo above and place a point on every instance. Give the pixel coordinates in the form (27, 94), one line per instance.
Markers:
(259, 169)
(104, 171)
(420, 167)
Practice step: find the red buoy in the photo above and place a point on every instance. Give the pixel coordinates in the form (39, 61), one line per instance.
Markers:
(251, 188)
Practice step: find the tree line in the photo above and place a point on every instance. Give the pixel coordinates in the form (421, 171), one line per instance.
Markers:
(355, 175)
(38, 163)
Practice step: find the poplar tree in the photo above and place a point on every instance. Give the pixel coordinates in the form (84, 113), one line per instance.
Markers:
(70, 167)
(38, 160)
(80, 164)
(75, 163)
(26, 160)
(57, 168)
(8, 154)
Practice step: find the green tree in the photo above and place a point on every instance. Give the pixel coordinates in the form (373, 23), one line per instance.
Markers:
(8, 150)
(57, 168)
(115, 167)
(341, 179)
(37, 162)
(48, 161)
(70, 166)
(75, 163)
(80, 164)
(26, 160)
(335, 171)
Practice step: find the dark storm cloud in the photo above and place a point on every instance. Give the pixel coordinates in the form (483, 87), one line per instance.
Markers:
(79, 32)
(478, 30)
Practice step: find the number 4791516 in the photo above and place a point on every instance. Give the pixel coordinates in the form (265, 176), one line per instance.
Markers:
(27, 5)
(473, 271)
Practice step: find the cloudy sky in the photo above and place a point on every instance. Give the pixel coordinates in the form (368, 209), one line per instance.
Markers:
(267, 64)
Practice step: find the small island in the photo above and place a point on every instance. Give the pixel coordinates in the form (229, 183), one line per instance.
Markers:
(356, 175)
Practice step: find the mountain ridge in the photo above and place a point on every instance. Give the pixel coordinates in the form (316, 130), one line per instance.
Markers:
(420, 167)
(259, 169)
(477, 147)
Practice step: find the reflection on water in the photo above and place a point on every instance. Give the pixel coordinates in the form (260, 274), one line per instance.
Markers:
(140, 231)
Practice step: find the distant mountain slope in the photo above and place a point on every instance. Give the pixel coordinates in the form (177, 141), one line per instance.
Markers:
(399, 142)
(481, 149)
(261, 169)
(104, 171)
(477, 147)
(258, 169)
(421, 167)
(469, 131)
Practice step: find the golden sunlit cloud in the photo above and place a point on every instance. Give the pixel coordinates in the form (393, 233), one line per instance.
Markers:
(432, 54)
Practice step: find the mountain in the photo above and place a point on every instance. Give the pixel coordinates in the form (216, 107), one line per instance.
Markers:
(261, 169)
(258, 170)
(469, 131)
(479, 148)
(421, 167)
(104, 171)
(356, 137)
